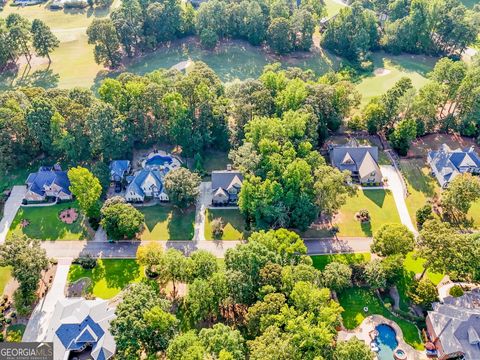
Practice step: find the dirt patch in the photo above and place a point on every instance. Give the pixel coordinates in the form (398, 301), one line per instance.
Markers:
(79, 287)
(68, 216)
(421, 146)
(381, 72)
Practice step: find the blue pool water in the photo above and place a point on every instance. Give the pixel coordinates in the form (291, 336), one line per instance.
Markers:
(386, 341)
(159, 160)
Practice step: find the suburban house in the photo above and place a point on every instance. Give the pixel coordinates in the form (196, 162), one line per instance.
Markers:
(147, 184)
(80, 329)
(118, 170)
(361, 161)
(454, 327)
(446, 164)
(48, 184)
(226, 185)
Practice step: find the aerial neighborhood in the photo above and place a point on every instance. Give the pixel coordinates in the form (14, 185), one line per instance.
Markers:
(233, 180)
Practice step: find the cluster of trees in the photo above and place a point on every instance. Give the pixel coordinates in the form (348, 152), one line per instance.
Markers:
(19, 37)
(413, 26)
(449, 102)
(287, 181)
(139, 26)
(27, 260)
(268, 302)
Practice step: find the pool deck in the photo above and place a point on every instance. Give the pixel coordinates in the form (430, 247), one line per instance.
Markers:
(369, 324)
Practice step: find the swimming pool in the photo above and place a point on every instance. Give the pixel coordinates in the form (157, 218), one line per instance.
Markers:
(159, 160)
(386, 341)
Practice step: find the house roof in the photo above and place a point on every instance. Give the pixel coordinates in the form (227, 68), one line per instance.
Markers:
(354, 158)
(46, 177)
(456, 323)
(77, 322)
(118, 168)
(447, 163)
(154, 176)
(226, 178)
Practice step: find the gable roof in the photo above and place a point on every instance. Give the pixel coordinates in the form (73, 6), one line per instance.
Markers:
(352, 157)
(46, 177)
(367, 165)
(226, 178)
(153, 175)
(118, 168)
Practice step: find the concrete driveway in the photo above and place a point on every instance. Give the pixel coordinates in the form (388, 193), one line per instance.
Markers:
(395, 186)
(11, 207)
(203, 202)
(40, 319)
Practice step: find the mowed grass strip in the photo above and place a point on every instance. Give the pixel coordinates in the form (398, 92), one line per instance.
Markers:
(233, 221)
(380, 205)
(109, 276)
(320, 261)
(5, 277)
(44, 223)
(165, 222)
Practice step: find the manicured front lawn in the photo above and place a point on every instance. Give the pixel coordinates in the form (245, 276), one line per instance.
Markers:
(354, 300)
(474, 213)
(421, 185)
(109, 277)
(5, 276)
(234, 224)
(320, 261)
(45, 224)
(164, 222)
(380, 205)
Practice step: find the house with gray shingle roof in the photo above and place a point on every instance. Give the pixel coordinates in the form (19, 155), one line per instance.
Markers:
(147, 184)
(361, 161)
(48, 183)
(454, 326)
(226, 185)
(446, 164)
(118, 170)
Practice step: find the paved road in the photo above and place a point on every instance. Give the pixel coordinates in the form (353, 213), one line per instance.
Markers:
(10, 210)
(37, 326)
(128, 249)
(395, 185)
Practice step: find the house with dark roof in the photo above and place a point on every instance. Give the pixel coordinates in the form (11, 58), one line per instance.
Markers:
(80, 328)
(453, 326)
(118, 170)
(447, 164)
(226, 185)
(147, 184)
(361, 161)
(48, 184)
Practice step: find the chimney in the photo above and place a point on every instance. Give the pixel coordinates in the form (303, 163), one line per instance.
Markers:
(229, 167)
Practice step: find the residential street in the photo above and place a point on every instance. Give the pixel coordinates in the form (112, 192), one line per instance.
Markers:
(11, 207)
(128, 249)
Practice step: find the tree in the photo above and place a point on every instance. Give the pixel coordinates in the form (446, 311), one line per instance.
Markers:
(392, 239)
(376, 275)
(279, 36)
(44, 41)
(353, 349)
(152, 257)
(103, 35)
(222, 337)
(337, 276)
(186, 346)
(202, 265)
(142, 323)
(27, 259)
(402, 136)
(175, 268)
(86, 188)
(182, 187)
(423, 293)
(121, 221)
(217, 227)
(332, 189)
(39, 123)
(423, 214)
(462, 191)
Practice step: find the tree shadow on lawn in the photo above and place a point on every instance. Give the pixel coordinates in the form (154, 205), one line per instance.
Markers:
(366, 228)
(152, 217)
(181, 225)
(417, 179)
(376, 196)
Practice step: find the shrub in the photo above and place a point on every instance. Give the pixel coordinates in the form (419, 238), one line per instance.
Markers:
(86, 262)
(423, 214)
(423, 293)
(217, 228)
(363, 215)
(456, 291)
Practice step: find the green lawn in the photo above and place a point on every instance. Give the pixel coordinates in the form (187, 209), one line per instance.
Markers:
(16, 176)
(474, 213)
(469, 3)
(45, 224)
(414, 67)
(164, 222)
(5, 277)
(320, 261)
(233, 221)
(333, 7)
(379, 203)
(355, 299)
(109, 277)
(214, 160)
(421, 186)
